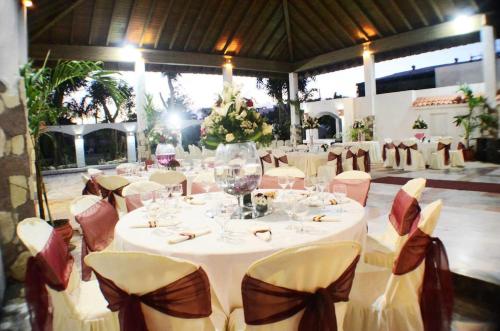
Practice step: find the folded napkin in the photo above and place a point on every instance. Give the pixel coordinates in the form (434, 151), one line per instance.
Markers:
(263, 233)
(151, 224)
(325, 218)
(316, 202)
(193, 200)
(183, 236)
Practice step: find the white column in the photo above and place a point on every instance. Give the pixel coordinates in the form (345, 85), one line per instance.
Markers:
(337, 126)
(131, 155)
(227, 73)
(140, 100)
(80, 151)
(293, 82)
(370, 86)
(489, 65)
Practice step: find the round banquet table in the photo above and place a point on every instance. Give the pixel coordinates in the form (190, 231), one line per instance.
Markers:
(427, 148)
(226, 261)
(308, 162)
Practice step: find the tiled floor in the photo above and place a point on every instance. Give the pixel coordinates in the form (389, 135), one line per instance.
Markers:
(469, 227)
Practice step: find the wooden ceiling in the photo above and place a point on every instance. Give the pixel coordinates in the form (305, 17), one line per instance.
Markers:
(272, 31)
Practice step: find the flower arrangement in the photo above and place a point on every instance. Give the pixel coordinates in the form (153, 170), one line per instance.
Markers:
(359, 130)
(310, 122)
(419, 124)
(358, 124)
(162, 136)
(234, 120)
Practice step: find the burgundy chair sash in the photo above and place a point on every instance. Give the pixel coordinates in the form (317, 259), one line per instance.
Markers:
(187, 297)
(461, 147)
(91, 187)
(405, 212)
(354, 157)
(366, 160)
(408, 149)
(446, 148)
(98, 227)
(282, 159)
(398, 156)
(110, 194)
(264, 303)
(266, 158)
(357, 189)
(436, 299)
(133, 202)
(51, 267)
(385, 148)
(332, 156)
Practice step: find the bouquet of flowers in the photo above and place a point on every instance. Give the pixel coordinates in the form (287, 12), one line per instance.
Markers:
(310, 122)
(358, 124)
(419, 124)
(234, 120)
(162, 136)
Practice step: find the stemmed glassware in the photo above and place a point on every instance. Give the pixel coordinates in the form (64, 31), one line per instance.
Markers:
(176, 191)
(322, 184)
(147, 199)
(309, 184)
(283, 182)
(340, 194)
(291, 181)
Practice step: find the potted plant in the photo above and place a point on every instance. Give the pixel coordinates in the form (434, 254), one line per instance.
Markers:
(358, 131)
(311, 125)
(420, 128)
(41, 84)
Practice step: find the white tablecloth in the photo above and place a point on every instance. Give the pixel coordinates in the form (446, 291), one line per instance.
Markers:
(227, 261)
(308, 162)
(373, 148)
(427, 148)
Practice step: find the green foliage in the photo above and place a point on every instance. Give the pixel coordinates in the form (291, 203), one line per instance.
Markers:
(419, 124)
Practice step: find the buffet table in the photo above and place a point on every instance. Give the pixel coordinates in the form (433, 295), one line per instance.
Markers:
(226, 261)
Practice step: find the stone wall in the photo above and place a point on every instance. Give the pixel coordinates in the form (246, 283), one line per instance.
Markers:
(16, 179)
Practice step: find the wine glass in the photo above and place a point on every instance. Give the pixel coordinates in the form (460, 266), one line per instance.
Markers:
(283, 182)
(207, 185)
(309, 184)
(223, 215)
(177, 191)
(340, 193)
(147, 199)
(321, 185)
(300, 210)
(291, 181)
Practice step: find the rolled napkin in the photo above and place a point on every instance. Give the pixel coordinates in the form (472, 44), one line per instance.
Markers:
(151, 223)
(193, 200)
(263, 233)
(187, 235)
(325, 218)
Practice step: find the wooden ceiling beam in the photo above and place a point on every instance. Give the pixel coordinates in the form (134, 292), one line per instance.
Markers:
(162, 24)
(229, 40)
(384, 17)
(56, 19)
(333, 20)
(110, 26)
(402, 40)
(345, 14)
(419, 12)
(146, 23)
(92, 22)
(210, 26)
(313, 13)
(116, 54)
(288, 30)
(256, 32)
(436, 10)
(277, 46)
(179, 24)
(372, 24)
(302, 21)
(194, 26)
(401, 14)
(232, 10)
(127, 30)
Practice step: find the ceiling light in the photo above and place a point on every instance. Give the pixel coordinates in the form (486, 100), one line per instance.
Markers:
(28, 3)
(131, 53)
(462, 23)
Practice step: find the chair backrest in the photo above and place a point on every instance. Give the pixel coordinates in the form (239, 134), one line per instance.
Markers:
(357, 184)
(304, 268)
(354, 149)
(285, 171)
(387, 140)
(94, 172)
(141, 187)
(82, 203)
(404, 289)
(337, 150)
(354, 174)
(141, 273)
(167, 177)
(111, 182)
(415, 187)
(123, 167)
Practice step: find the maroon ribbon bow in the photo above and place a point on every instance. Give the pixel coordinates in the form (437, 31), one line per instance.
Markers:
(110, 194)
(405, 212)
(366, 160)
(264, 303)
(385, 148)
(354, 157)
(98, 227)
(277, 160)
(461, 147)
(436, 299)
(51, 267)
(446, 148)
(408, 149)
(91, 187)
(332, 156)
(266, 158)
(187, 297)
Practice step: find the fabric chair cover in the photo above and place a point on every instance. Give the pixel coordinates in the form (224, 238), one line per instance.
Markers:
(132, 193)
(333, 165)
(280, 159)
(357, 184)
(389, 154)
(410, 159)
(91, 186)
(382, 249)
(98, 227)
(157, 292)
(194, 151)
(285, 171)
(92, 172)
(351, 158)
(271, 182)
(111, 189)
(298, 288)
(80, 204)
(457, 156)
(363, 160)
(441, 158)
(266, 161)
(123, 168)
(169, 177)
(56, 298)
(415, 295)
(204, 176)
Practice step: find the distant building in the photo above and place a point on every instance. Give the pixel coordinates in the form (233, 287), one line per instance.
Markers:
(457, 73)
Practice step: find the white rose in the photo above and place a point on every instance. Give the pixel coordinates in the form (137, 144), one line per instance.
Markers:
(267, 129)
(243, 114)
(238, 102)
(229, 137)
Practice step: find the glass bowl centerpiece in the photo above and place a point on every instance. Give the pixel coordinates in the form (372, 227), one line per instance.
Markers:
(165, 141)
(232, 128)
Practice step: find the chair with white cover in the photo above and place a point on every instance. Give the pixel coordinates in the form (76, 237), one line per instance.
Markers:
(75, 305)
(410, 159)
(415, 295)
(357, 184)
(207, 152)
(202, 181)
(280, 158)
(302, 148)
(285, 171)
(93, 172)
(180, 153)
(156, 292)
(132, 193)
(280, 143)
(333, 165)
(382, 249)
(124, 168)
(169, 177)
(363, 159)
(389, 153)
(302, 288)
(440, 159)
(457, 155)
(266, 160)
(349, 158)
(111, 189)
(90, 186)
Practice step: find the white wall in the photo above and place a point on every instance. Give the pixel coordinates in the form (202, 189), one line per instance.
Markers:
(456, 74)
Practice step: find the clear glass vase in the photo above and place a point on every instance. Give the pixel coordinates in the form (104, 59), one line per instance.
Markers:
(238, 171)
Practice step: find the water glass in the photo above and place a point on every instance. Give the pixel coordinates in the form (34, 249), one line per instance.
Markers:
(340, 194)
(176, 191)
(147, 199)
(309, 184)
(291, 181)
(283, 182)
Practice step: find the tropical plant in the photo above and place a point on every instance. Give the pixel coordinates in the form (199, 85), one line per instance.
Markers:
(101, 94)
(41, 84)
